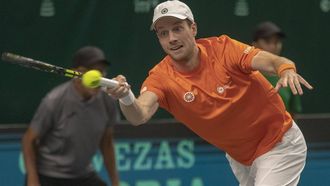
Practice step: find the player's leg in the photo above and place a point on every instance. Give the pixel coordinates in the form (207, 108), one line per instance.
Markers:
(240, 171)
(282, 165)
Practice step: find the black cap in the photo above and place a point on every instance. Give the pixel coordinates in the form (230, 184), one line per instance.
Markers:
(88, 56)
(267, 29)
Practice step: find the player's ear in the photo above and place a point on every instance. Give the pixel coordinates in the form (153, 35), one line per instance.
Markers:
(194, 28)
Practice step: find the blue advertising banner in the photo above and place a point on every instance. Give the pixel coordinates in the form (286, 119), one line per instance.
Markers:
(165, 162)
(143, 162)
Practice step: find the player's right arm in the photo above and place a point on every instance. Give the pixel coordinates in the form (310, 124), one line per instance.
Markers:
(141, 109)
(29, 144)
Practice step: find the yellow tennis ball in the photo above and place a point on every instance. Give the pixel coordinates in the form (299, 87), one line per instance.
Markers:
(91, 79)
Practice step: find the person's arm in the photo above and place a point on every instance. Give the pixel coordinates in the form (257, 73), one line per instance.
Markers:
(108, 153)
(268, 63)
(29, 153)
(141, 109)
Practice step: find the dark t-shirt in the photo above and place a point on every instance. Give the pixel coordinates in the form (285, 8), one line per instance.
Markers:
(70, 130)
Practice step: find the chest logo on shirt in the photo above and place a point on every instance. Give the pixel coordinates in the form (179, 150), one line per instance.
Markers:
(189, 97)
(221, 89)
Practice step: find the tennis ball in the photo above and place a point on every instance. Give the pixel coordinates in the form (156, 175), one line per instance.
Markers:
(91, 79)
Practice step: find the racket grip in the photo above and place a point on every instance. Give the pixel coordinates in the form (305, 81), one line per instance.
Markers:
(104, 82)
(127, 100)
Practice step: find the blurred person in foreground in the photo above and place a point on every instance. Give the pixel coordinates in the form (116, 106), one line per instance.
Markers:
(214, 87)
(70, 125)
(268, 36)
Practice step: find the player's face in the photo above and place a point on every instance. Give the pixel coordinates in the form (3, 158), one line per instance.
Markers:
(272, 44)
(177, 37)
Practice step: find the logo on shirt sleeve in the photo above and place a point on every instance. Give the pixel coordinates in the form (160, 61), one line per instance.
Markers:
(247, 50)
(188, 97)
(221, 89)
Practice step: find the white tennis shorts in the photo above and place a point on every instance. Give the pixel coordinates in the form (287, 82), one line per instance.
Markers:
(281, 166)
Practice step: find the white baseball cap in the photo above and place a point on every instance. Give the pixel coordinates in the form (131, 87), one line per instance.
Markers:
(172, 8)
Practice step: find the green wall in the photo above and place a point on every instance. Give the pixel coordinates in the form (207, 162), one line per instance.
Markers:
(51, 30)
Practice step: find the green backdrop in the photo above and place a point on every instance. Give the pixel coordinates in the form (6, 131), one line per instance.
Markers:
(51, 30)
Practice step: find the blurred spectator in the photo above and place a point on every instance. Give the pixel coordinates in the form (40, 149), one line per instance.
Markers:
(70, 125)
(268, 36)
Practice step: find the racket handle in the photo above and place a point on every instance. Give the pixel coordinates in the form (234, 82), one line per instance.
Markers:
(127, 100)
(104, 82)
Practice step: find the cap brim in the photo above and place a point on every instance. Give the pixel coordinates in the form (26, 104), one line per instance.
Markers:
(152, 27)
(268, 35)
(281, 34)
(104, 61)
(91, 64)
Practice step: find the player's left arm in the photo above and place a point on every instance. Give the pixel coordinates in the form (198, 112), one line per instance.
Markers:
(108, 153)
(268, 63)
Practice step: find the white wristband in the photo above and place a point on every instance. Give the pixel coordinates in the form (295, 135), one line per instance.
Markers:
(128, 100)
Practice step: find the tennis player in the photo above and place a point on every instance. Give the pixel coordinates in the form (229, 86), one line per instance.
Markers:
(214, 86)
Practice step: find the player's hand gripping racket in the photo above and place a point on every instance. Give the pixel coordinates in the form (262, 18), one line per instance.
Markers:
(46, 67)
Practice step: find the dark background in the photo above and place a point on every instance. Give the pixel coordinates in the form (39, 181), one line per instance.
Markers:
(52, 30)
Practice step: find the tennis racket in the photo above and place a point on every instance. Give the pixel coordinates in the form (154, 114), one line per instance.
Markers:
(46, 67)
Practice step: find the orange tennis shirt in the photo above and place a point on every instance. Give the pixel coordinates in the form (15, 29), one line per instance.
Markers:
(223, 100)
